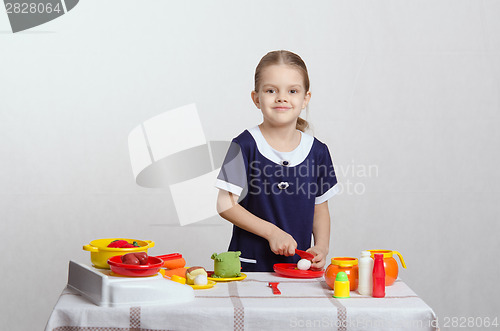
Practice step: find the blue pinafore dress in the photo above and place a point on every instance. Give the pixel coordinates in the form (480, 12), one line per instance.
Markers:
(279, 187)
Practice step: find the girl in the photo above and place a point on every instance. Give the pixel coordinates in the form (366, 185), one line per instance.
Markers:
(275, 180)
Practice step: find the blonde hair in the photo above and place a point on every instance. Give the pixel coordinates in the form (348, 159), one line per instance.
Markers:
(288, 58)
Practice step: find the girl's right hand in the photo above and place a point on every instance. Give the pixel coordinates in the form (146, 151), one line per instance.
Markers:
(282, 243)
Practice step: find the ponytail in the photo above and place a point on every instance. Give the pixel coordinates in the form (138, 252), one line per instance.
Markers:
(302, 124)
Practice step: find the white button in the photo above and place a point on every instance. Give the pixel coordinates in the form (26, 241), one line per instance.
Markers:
(283, 185)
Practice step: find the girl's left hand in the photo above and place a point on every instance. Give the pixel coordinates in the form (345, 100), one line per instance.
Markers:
(319, 259)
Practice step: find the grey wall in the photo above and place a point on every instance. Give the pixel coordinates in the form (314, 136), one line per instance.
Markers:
(405, 93)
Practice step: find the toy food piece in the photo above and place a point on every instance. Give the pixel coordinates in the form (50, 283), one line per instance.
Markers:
(175, 263)
(303, 264)
(179, 279)
(181, 272)
(201, 280)
(117, 243)
(122, 244)
(192, 272)
(142, 256)
(130, 259)
(135, 258)
(227, 264)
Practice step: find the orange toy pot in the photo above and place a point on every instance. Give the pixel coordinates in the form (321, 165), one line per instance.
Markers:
(390, 264)
(349, 265)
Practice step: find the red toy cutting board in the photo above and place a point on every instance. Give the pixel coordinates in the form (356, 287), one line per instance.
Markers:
(290, 270)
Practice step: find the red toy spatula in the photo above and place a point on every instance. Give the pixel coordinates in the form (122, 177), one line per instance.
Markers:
(274, 286)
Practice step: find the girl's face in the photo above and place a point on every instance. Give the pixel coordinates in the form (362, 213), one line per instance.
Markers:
(282, 95)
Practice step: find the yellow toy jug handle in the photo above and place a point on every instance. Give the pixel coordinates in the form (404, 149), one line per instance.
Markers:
(90, 248)
(400, 258)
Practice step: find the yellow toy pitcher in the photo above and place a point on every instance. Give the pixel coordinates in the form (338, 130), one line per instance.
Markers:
(390, 264)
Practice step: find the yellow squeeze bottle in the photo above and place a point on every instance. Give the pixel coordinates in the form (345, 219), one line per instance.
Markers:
(341, 286)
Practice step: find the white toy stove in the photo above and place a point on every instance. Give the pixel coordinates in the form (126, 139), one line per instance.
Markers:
(103, 288)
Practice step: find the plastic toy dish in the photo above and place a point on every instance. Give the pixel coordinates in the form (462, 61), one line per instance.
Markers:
(132, 270)
(100, 252)
(229, 279)
(210, 284)
(290, 270)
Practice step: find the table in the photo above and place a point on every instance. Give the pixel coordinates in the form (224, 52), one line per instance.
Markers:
(250, 305)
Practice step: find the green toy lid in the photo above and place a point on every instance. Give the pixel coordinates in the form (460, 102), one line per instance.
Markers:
(341, 277)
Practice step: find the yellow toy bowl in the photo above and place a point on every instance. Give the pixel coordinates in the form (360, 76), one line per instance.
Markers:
(100, 252)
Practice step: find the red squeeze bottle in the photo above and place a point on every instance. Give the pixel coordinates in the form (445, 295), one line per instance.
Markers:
(378, 277)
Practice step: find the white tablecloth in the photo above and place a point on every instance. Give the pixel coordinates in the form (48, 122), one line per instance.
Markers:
(250, 305)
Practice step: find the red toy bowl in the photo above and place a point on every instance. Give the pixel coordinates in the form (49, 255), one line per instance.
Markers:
(290, 270)
(154, 265)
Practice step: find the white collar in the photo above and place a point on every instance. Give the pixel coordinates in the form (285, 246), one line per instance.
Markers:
(295, 157)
